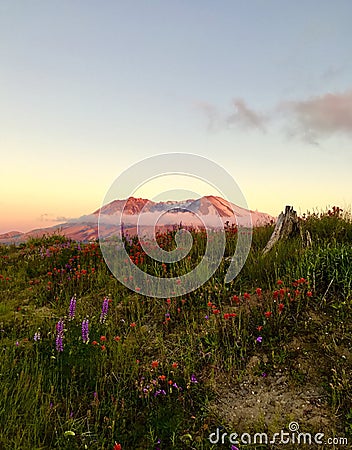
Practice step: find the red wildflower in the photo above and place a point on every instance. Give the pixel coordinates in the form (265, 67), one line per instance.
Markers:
(281, 307)
(210, 304)
(155, 364)
(162, 377)
(246, 296)
(103, 347)
(133, 324)
(258, 291)
(117, 446)
(229, 315)
(236, 299)
(174, 365)
(103, 338)
(259, 327)
(216, 311)
(268, 314)
(309, 293)
(280, 282)
(117, 338)
(94, 343)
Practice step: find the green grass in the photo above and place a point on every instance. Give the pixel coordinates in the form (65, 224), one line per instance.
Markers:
(151, 372)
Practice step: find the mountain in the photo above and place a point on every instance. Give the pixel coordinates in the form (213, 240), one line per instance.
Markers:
(11, 235)
(160, 215)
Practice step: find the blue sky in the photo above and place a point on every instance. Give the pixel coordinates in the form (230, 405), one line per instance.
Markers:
(88, 88)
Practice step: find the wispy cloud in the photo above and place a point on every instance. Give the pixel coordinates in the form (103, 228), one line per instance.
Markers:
(321, 116)
(211, 114)
(240, 116)
(332, 72)
(244, 116)
(61, 219)
(308, 119)
(50, 218)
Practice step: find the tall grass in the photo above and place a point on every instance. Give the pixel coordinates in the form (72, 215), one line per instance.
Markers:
(145, 378)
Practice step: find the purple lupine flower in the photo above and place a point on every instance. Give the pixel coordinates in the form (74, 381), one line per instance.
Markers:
(193, 378)
(259, 339)
(36, 336)
(104, 310)
(60, 326)
(85, 331)
(59, 344)
(72, 310)
(159, 391)
(59, 336)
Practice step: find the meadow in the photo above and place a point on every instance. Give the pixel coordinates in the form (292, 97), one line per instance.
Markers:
(88, 364)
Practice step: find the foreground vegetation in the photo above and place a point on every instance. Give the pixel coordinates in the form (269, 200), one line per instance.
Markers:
(86, 363)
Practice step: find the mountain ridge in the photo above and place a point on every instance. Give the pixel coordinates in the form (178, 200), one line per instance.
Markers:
(162, 215)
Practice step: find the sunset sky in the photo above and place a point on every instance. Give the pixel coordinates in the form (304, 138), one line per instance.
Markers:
(88, 88)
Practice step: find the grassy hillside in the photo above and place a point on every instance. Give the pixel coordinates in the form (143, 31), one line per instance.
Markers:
(86, 363)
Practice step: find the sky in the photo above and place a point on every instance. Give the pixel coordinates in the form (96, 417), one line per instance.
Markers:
(88, 89)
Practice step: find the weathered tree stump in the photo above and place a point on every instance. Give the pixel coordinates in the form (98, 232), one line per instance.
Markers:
(287, 225)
